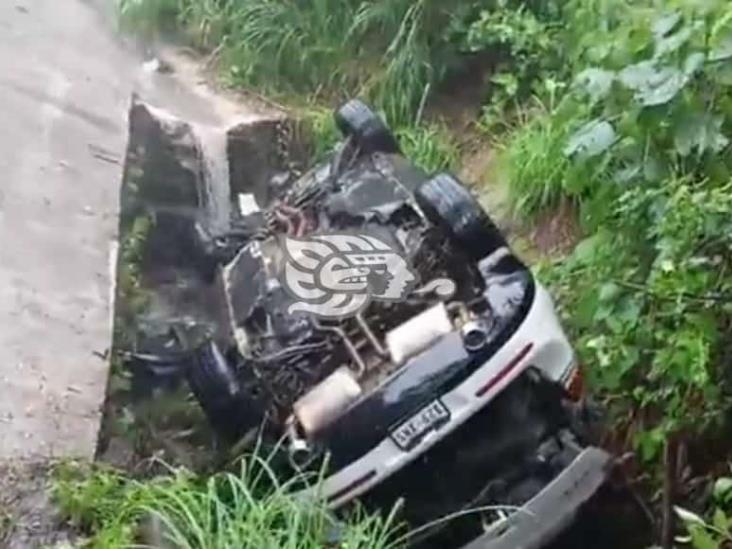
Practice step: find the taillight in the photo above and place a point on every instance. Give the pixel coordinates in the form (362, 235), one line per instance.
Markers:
(575, 384)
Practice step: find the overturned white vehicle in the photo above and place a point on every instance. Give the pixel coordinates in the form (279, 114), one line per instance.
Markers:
(376, 315)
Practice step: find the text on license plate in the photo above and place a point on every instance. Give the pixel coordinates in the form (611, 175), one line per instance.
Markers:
(431, 417)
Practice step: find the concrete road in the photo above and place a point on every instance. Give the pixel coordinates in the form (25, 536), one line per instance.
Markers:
(64, 88)
(65, 85)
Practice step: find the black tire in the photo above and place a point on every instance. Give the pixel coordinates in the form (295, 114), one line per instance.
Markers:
(447, 203)
(356, 120)
(215, 385)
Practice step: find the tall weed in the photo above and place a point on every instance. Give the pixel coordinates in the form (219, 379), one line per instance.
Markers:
(289, 46)
(430, 147)
(393, 52)
(251, 509)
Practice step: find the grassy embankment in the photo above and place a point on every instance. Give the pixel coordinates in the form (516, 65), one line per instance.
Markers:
(614, 115)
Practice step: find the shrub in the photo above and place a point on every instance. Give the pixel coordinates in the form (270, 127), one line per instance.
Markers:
(642, 296)
(716, 532)
(524, 39)
(639, 142)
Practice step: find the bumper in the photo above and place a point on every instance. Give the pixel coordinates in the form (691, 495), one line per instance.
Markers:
(541, 519)
(539, 341)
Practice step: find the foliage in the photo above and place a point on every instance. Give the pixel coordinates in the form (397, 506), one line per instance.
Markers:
(639, 143)
(429, 146)
(131, 254)
(524, 38)
(541, 175)
(131, 299)
(251, 509)
(291, 46)
(321, 128)
(716, 532)
(391, 52)
(417, 56)
(645, 297)
(665, 102)
(204, 22)
(99, 504)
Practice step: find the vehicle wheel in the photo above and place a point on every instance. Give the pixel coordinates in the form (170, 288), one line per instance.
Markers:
(356, 120)
(447, 203)
(214, 383)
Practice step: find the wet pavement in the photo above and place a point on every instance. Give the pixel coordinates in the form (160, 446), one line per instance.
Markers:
(65, 86)
(64, 92)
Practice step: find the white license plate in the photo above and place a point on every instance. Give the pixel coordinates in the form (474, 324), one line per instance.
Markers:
(429, 418)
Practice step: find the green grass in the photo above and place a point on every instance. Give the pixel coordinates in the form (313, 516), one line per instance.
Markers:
(321, 129)
(430, 147)
(536, 167)
(251, 509)
(291, 46)
(407, 70)
(540, 173)
(391, 52)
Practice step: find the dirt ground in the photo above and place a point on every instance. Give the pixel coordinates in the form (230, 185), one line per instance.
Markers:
(28, 518)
